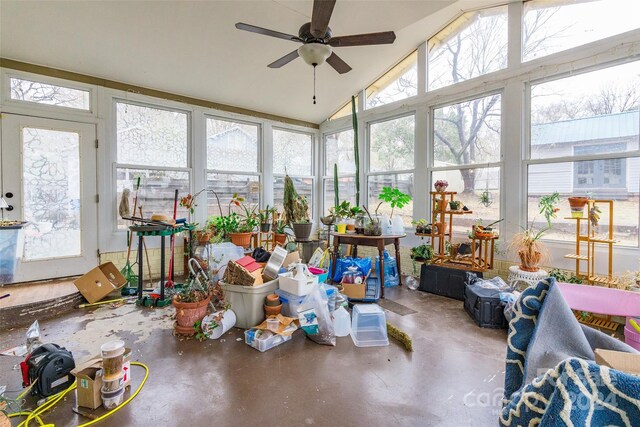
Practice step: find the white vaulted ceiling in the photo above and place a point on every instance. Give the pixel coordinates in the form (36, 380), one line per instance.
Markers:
(192, 48)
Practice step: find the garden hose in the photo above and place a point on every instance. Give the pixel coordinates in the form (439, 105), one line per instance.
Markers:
(35, 414)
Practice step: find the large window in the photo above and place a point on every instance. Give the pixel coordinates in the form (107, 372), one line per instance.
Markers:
(43, 93)
(472, 45)
(293, 155)
(551, 26)
(584, 140)
(391, 162)
(338, 151)
(152, 145)
(232, 163)
(467, 153)
(398, 83)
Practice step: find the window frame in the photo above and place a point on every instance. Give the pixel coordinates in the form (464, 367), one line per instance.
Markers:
(259, 143)
(367, 155)
(312, 176)
(115, 100)
(7, 75)
(323, 165)
(527, 161)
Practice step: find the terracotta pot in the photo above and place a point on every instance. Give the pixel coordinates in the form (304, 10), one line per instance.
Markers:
(203, 237)
(188, 313)
(578, 201)
(280, 238)
(272, 300)
(530, 260)
(241, 239)
(351, 227)
(272, 310)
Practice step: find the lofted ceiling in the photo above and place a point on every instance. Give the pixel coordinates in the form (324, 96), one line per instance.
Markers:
(192, 48)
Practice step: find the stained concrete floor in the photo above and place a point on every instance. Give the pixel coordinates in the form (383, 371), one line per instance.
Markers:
(454, 377)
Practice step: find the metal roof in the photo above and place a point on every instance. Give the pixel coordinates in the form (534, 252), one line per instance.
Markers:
(609, 126)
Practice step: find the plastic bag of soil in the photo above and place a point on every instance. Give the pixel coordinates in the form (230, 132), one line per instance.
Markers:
(315, 318)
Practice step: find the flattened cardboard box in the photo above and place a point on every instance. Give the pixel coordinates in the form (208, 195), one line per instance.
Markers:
(625, 362)
(100, 282)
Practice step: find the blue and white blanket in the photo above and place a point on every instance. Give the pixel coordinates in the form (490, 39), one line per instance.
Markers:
(551, 378)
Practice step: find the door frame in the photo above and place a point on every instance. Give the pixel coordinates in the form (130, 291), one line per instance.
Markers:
(11, 131)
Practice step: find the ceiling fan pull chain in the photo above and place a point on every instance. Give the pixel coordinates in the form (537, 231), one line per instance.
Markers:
(314, 84)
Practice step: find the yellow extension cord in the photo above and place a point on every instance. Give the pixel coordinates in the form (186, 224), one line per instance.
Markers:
(35, 414)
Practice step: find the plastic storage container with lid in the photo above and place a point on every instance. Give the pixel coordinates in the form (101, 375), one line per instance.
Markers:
(247, 302)
(368, 326)
(352, 275)
(112, 359)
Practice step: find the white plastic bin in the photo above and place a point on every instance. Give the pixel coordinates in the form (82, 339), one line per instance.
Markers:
(297, 287)
(248, 301)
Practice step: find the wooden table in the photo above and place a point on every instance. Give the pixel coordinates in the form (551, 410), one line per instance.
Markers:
(361, 240)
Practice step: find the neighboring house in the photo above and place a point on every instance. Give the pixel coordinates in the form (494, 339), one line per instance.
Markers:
(235, 145)
(613, 133)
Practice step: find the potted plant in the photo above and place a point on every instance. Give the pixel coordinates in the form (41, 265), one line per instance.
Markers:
(422, 253)
(441, 185)
(296, 211)
(421, 226)
(395, 197)
(351, 218)
(577, 204)
(455, 205)
(191, 303)
(372, 226)
(528, 247)
(265, 219)
(280, 231)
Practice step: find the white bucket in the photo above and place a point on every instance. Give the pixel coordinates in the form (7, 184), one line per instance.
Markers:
(227, 322)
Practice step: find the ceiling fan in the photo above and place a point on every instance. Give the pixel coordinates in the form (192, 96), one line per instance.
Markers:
(317, 40)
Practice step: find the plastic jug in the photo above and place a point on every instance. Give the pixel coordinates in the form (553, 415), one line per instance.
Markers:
(341, 322)
(391, 276)
(397, 226)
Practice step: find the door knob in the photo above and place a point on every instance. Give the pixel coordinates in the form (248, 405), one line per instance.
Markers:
(9, 195)
(9, 208)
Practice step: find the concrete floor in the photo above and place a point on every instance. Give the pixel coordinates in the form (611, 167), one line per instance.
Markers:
(454, 377)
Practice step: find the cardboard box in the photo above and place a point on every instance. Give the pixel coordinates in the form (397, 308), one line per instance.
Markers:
(291, 258)
(100, 282)
(353, 290)
(89, 384)
(625, 362)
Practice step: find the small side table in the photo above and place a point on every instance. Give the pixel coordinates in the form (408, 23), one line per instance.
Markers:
(531, 278)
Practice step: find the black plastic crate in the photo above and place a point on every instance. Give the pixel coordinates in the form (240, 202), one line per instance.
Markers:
(444, 281)
(484, 307)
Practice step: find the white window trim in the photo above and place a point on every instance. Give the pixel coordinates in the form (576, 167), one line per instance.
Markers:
(323, 177)
(27, 107)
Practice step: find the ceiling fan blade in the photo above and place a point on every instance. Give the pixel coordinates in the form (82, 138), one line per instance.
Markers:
(266, 32)
(284, 60)
(322, 10)
(385, 37)
(338, 64)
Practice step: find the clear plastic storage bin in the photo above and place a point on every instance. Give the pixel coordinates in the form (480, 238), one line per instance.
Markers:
(264, 340)
(368, 326)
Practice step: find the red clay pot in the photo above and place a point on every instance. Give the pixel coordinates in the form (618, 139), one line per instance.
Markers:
(188, 313)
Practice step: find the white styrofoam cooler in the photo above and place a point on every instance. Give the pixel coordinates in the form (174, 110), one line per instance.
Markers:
(297, 287)
(248, 302)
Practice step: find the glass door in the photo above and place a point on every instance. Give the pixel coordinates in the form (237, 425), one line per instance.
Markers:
(49, 180)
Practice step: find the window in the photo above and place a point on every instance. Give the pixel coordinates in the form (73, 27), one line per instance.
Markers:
(472, 45)
(152, 144)
(584, 140)
(232, 163)
(391, 162)
(42, 93)
(338, 150)
(465, 136)
(293, 155)
(557, 25)
(344, 111)
(398, 83)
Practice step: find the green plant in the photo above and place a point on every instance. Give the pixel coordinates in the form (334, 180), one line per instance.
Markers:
(296, 208)
(193, 291)
(564, 276)
(265, 214)
(354, 211)
(420, 223)
(336, 185)
(280, 227)
(342, 210)
(356, 149)
(547, 207)
(395, 197)
(423, 252)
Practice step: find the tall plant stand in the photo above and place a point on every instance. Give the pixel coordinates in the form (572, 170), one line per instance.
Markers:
(586, 244)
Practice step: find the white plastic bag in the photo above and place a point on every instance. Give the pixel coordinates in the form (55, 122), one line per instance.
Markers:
(315, 319)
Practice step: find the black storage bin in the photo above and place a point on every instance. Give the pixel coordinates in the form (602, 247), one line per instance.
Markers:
(444, 281)
(484, 307)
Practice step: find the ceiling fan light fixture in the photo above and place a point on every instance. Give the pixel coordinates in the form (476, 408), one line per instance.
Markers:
(314, 53)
